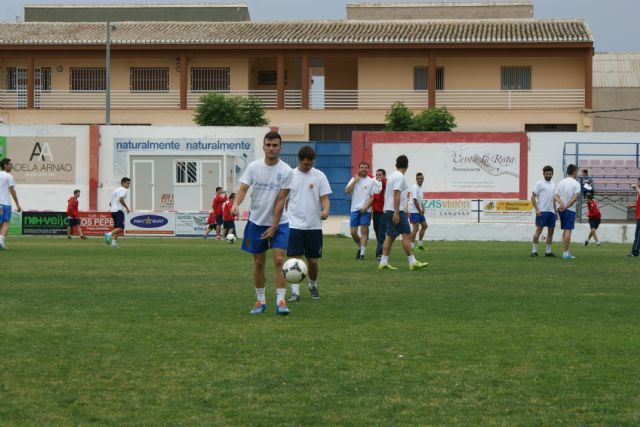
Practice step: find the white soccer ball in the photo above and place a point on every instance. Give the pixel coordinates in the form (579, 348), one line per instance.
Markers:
(294, 270)
(231, 237)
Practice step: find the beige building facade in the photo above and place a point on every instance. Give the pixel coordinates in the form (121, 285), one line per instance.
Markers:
(493, 75)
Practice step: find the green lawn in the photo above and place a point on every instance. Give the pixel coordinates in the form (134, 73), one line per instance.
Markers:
(158, 332)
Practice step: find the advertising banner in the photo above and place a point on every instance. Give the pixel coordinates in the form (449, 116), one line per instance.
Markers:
(449, 209)
(41, 159)
(150, 224)
(96, 223)
(507, 211)
(44, 223)
(191, 224)
(15, 225)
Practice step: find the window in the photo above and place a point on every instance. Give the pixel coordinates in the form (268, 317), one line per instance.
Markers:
(421, 78)
(516, 78)
(87, 79)
(186, 172)
(210, 79)
(267, 77)
(16, 79)
(149, 79)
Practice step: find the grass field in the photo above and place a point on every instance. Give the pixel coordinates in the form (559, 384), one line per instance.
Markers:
(158, 332)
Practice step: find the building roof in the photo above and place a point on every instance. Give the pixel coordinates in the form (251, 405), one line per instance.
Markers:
(136, 12)
(515, 31)
(616, 70)
(459, 10)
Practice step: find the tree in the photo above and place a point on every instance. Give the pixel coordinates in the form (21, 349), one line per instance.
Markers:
(399, 118)
(215, 109)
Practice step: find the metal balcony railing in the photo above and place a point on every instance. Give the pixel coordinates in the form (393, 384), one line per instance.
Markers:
(318, 100)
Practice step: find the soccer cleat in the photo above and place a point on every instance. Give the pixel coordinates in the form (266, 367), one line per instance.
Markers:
(358, 254)
(385, 267)
(83, 237)
(69, 237)
(294, 298)
(107, 238)
(314, 292)
(258, 308)
(586, 242)
(551, 255)
(361, 258)
(568, 256)
(534, 254)
(633, 255)
(282, 308)
(420, 248)
(418, 265)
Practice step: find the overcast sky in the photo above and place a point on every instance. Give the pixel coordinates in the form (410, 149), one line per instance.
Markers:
(614, 23)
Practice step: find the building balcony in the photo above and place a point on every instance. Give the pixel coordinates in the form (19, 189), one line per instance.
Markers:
(293, 99)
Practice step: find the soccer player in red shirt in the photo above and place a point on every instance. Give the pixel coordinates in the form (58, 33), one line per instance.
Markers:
(379, 223)
(228, 218)
(218, 201)
(73, 215)
(211, 223)
(594, 216)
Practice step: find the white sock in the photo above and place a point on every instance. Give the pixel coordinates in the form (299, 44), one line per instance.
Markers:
(412, 259)
(260, 295)
(384, 259)
(534, 249)
(295, 289)
(313, 283)
(280, 294)
(548, 248)
(114, 243)
(362, 248)
(419, 242)
(565, 253)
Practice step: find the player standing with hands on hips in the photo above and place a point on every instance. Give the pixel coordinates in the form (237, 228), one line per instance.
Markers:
(267, 227)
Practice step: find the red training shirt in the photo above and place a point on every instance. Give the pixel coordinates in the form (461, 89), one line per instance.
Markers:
(594, 212)
(218, 202)
(378, 198)
(226, 211)
(72, 207)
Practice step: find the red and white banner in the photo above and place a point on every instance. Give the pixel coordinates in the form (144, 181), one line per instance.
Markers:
(96, 223)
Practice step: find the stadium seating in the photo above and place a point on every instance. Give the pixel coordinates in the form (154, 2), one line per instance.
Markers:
(612, 176)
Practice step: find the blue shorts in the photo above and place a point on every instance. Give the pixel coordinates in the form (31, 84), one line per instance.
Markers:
(594, 223)
(402, 227)
(252, 243)
(219, 220)
(118, 219)
(546, 219)
(6, 214)
(305, 242)
(416, 218)
(228, 225)
(567, 219)
(357, 219)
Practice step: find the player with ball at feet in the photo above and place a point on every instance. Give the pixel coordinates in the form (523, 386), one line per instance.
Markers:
(308, 206)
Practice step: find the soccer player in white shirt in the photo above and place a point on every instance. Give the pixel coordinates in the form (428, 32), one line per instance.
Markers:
(543, 201)
(395, 199)
(118, 205)
(7, 190)
(566, 195)
(361, 188)
(268, 227)
(307, 207)
(416, 213)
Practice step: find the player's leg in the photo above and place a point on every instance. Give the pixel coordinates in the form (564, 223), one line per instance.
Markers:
(364, 238)
(313, 252)
(5, 218)
(635, 248)
(423, 230)
(259, 282)
(278, 244)
(550, 231)
(391, 234)
(295, 249)
(354, 223)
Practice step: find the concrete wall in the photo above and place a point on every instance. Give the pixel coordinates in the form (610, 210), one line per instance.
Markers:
(616, 99)
(440, 11)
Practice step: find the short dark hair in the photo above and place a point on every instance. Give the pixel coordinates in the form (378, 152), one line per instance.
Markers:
(232, 196)
(4, 162)
(547, 169)
(571, 169)
(402, 162)
(382, 171)
(307, 152)
(125, 179)
(419, 174)
(585, 171)
(218, 188)
(588, 196)
(272, 135)
(76, 191)
(363, 162)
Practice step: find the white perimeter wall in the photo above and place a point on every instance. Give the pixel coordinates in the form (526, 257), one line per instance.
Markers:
(54, 197)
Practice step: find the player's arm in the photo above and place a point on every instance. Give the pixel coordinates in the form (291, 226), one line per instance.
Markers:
(283, 194)
(558, 201)
(241, 192)
(416, 204)
(572, 201)
(124, 204)
(365, 207)
(351, 185)
(534, 202)
(326, 204)
(12, 190)
(396, 206)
